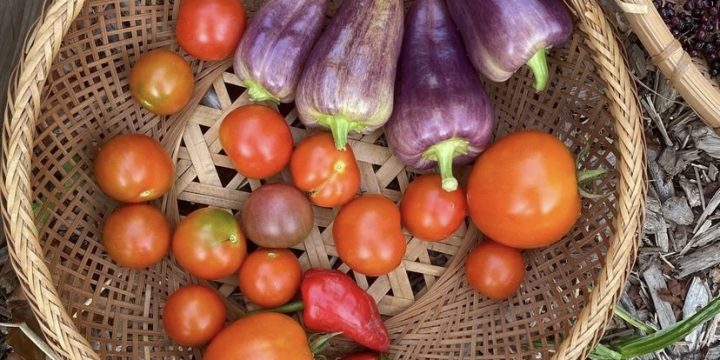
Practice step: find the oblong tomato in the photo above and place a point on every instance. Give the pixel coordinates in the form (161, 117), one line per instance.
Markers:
(270, 277)
(429, 212)
(162, 82)
(262, 336)
(208, 243)
(210, 29)
(331, 177)
(193, 315)
(495, 270)
(368, 235)
(133, 168)
(523, 192)
(136, 235)
(257, 140)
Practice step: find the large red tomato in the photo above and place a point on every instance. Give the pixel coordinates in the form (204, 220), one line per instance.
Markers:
(208, 243)
(429, 212)
(162, 82)
(270, 277)
(210, 29)
(495, 270)
(136, 235)
(523, 190)
(193, 315)
(133, 168)
(257, 140)
(262, 336)
(331, 177)
(368, 235)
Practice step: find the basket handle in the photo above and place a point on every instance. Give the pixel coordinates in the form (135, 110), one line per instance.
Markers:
(23, 106)
(668, 55)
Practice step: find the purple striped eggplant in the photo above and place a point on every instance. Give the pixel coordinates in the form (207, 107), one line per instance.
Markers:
(348, 81)
(276, 43)
(442, 113)
(503, 35)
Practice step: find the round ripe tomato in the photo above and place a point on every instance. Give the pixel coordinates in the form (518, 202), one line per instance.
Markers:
(136, 235)
(257, 140)
(368, 235)
(262, 336)
(429, 212)
(133, 168)
(523, 192)
(495, 270)
(330, 176)
(210, 29)
(208, 243)
(365, 356)
(162, 82)
(193, 315)
(270, 277)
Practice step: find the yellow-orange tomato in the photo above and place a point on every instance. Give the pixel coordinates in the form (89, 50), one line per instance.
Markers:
(162, 82)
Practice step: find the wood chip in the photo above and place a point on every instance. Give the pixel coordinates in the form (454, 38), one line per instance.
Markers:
(656, 284)
(677, 210)
(709, 209)
(655, 223)
(698, 295)
(692, 193)
(665, 189)
(706, 139)
(698, 260)
(652, 112)
(675, 162)
(713, 172)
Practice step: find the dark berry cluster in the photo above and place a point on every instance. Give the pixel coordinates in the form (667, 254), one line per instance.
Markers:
(695, 24)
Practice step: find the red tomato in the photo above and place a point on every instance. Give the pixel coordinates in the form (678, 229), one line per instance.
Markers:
(136, 236)
(495, 270)
(523, 192)
(270, 277)
(365, 356)
(193, 315)
(133, 168)
(257, 140)
(330, 176)
(208, 243)
(162, 82)
(368, 235)
(210, 29)
(429, 212)
(262, 336)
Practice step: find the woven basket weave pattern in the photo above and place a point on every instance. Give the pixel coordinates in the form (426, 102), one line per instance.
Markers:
(71, 94)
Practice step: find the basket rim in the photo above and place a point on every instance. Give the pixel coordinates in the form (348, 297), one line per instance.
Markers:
(673, 61)
(27, 257)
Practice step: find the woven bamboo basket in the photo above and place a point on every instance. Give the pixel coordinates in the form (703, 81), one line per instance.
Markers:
(70, 94)
(689, 76)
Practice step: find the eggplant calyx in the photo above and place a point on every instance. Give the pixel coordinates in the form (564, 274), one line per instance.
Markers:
(538, 65)
(444, 153)
(340, 127)
(258, 93)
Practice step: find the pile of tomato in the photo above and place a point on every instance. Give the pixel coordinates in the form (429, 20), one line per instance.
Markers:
(522, 193)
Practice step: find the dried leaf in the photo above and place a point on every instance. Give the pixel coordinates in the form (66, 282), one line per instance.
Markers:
(677, 210)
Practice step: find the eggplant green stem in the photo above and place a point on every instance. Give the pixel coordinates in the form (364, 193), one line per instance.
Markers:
(288, 308)
(258, 93)
(340, 127)
(538, 65)
(444, 153)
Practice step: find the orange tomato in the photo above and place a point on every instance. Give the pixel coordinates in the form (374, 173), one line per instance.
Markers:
(270, 277)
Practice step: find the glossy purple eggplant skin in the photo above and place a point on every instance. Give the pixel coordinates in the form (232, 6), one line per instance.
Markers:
(442, 113)
(273, 50)
(348, 81)
(503, 35)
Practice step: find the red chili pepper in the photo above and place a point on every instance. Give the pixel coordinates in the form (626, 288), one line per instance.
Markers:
(334, 302)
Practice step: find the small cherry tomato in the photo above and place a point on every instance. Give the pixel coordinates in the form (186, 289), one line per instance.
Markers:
(210, 29)
(257, 140)
(262, 336)
(368, 235)
(208, 243)
(134, 168)
(193, 315)
(429, 212)
(162, 82)
(523, 192)
(136, 235)
(270, 277)
(331, 177)
(495, 270)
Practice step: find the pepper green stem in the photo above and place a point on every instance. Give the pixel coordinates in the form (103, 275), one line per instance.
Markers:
(651, 343)
(444, 153)
(319, 342)
(538, 65)
(285, 309)
(258, 93)
(340, 127)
